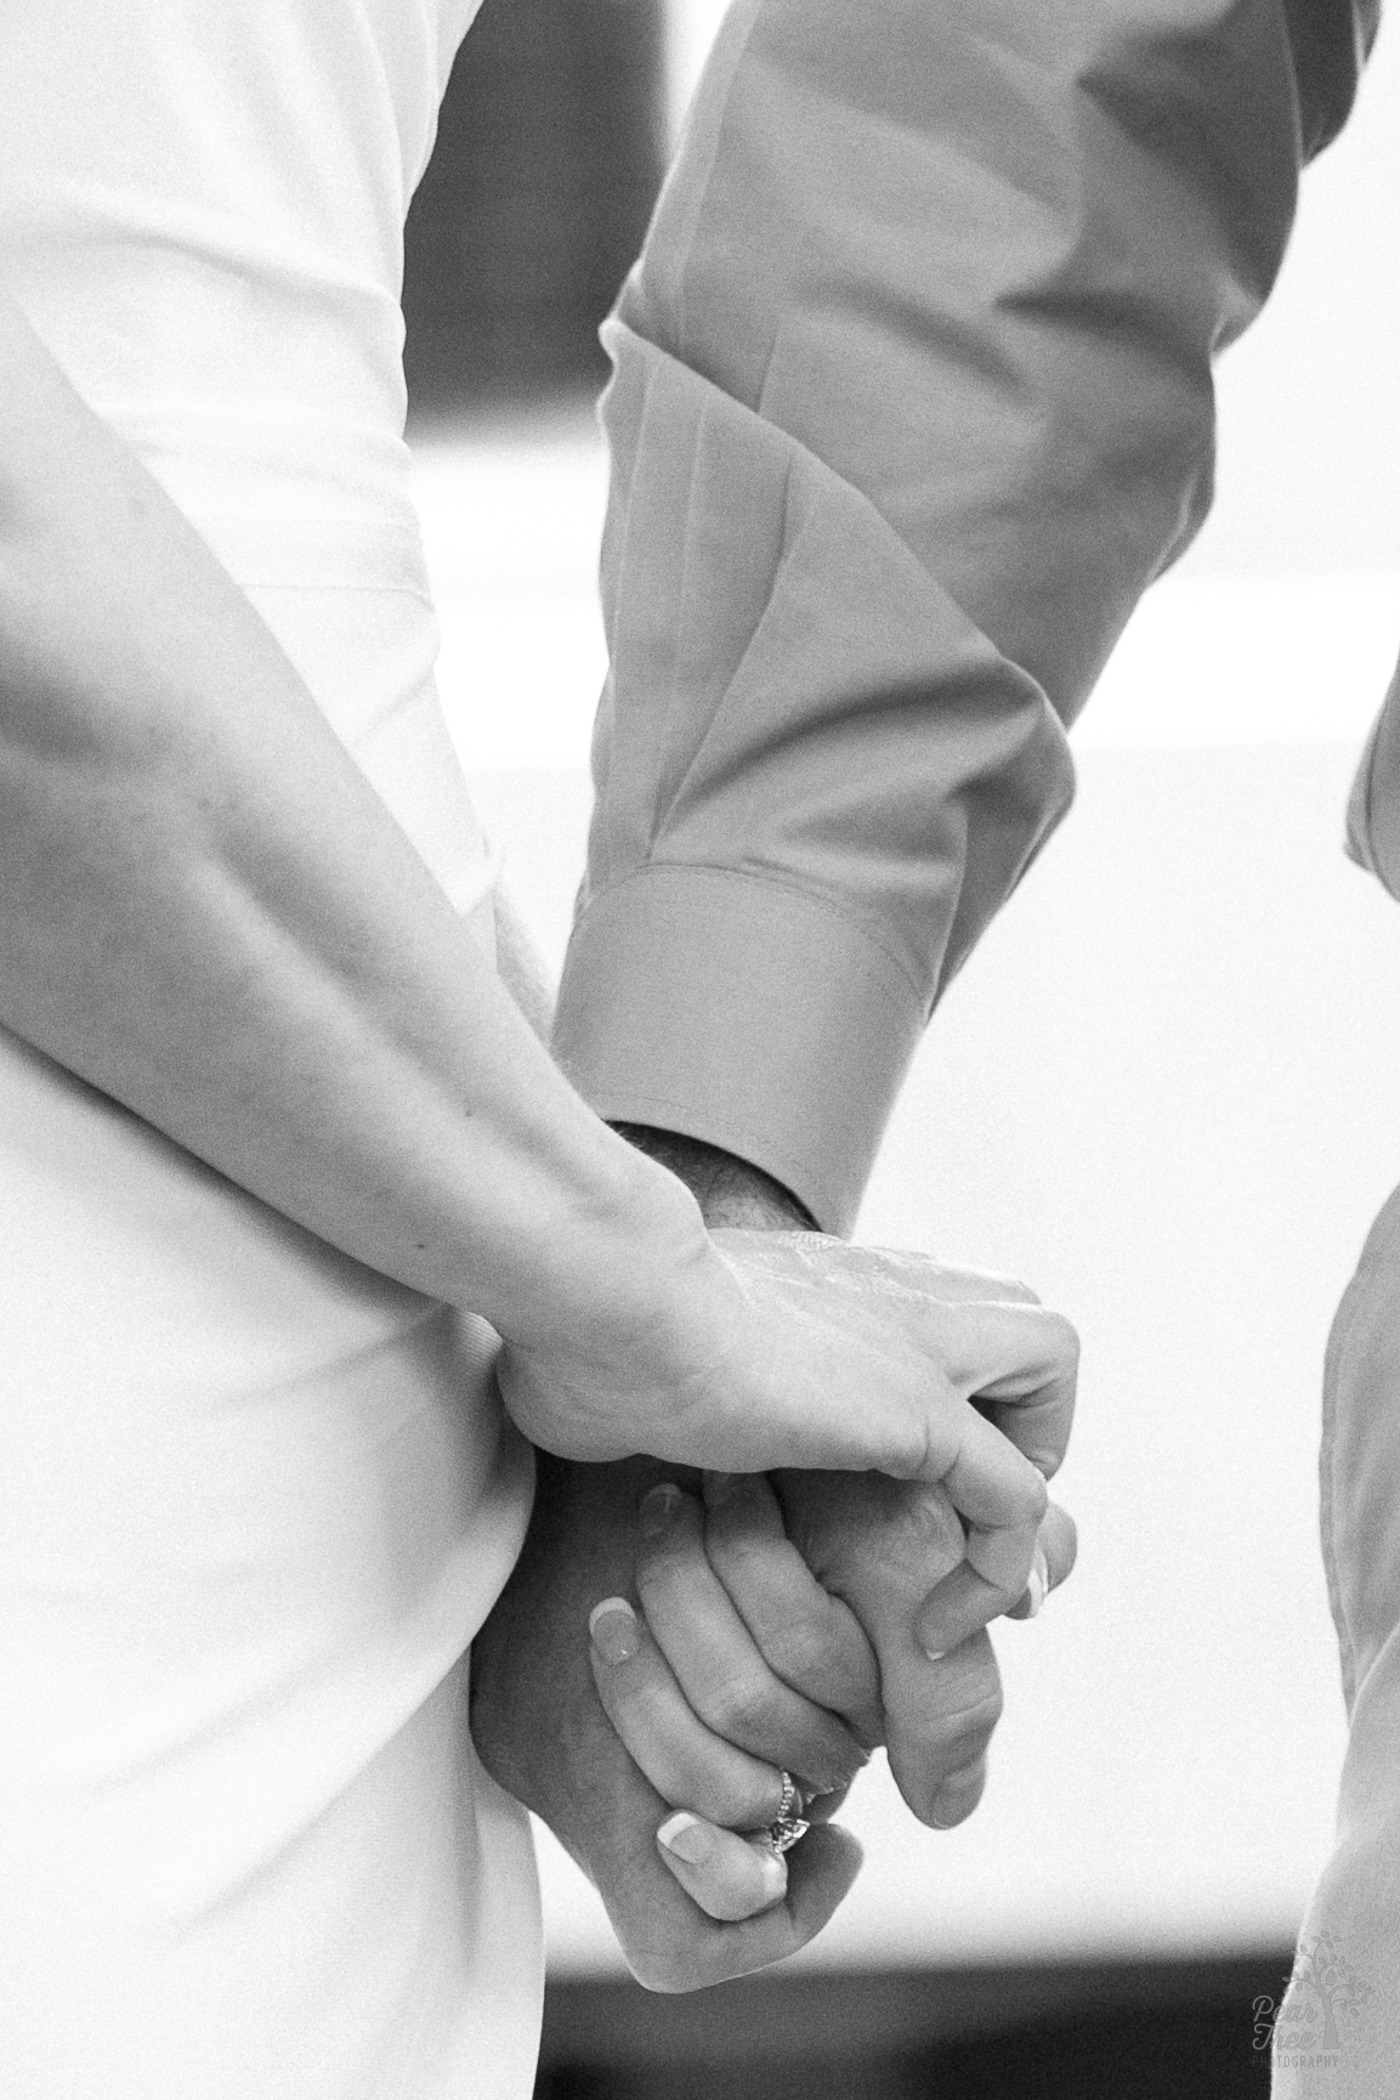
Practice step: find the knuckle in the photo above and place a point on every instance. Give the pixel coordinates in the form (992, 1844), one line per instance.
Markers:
(972, 1721)
(927, 1529)
(911, 1538)
(800, 1650)
(736, 1706)
(739, 1558)
(733, 1804)
(661, 1572)
(981, 1718)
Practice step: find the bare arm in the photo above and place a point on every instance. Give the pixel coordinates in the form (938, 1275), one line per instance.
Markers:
(207, 913)
(210, 915)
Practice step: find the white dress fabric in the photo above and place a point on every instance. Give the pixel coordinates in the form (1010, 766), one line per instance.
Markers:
(256, 1500)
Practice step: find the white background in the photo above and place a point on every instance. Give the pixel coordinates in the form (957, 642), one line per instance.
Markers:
(1166, 1091)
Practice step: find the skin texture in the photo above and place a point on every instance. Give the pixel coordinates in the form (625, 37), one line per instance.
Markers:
(211, 917)
(877, 1547)
(542, 1731)
(548, 1706)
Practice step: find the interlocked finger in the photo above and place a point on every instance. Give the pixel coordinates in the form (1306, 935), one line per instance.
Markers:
(809, 1638)
(688, 1765)
(882, 1544)
(719, 1666)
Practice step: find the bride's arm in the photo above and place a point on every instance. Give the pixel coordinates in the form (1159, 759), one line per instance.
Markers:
(208, 913)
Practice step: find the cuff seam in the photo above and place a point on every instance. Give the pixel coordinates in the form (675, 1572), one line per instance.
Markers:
(763, 879)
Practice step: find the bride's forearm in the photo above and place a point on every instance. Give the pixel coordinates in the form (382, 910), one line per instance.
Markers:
(206, 912)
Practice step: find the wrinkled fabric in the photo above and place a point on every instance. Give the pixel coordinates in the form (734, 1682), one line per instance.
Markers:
(911, 401)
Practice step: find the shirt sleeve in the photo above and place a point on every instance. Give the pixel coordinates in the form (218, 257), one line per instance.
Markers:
(911, 400)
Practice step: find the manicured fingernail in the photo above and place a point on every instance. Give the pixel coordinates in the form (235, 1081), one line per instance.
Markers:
(774, 1876)
(689, 1838)
(613, 1626)
(657, 1509)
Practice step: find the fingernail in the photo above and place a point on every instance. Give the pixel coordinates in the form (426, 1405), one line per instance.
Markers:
(720, 1486)
(935, 1655)
(687, 1837)
(657, 1509)
(774, 1875)
(614, 1630)
(1038, 1584)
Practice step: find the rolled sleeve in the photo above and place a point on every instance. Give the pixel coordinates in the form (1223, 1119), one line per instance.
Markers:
(911, 400)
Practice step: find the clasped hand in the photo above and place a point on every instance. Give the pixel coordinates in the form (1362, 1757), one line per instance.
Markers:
(790, 1625)
(783, 1349)
(739, 1664)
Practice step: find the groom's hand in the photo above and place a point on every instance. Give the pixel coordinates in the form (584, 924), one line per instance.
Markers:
(541, 1731)
(877, 1545)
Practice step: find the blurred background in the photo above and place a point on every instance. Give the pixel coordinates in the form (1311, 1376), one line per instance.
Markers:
(1166, 1093)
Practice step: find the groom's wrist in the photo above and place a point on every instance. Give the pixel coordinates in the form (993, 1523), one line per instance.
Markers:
(731, 1192)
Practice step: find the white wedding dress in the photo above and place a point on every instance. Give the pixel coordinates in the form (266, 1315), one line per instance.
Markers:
(254, 1501)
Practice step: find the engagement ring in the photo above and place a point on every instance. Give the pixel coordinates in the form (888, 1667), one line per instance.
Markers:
(788, 1825)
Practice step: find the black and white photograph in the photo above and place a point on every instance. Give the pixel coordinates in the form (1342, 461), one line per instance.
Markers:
(699, 1050)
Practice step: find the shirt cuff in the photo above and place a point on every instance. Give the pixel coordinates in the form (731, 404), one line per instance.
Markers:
(740, 1010)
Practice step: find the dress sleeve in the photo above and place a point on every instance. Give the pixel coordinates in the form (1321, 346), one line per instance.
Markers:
(911, 401)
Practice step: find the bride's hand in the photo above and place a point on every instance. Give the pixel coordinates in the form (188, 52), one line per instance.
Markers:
(794, 1349)
(748, 1658)
(711, 1726)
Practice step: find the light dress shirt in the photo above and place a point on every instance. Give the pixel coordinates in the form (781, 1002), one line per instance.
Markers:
(912, 400)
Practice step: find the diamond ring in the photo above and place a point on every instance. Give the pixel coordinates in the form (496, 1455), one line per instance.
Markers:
(788, 1825)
